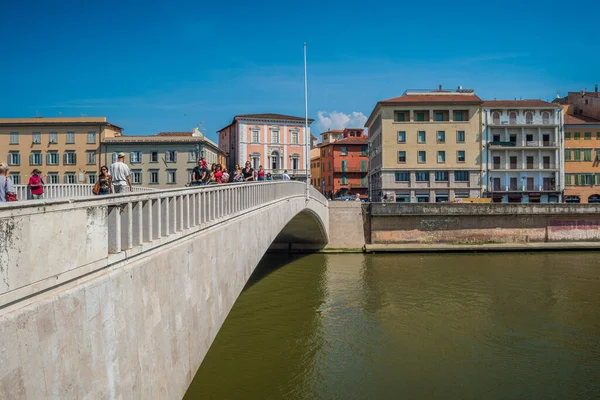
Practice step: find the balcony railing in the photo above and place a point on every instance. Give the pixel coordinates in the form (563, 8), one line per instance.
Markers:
(518, 166)
(522, 188)
(530, 143)
(338, 168)
(67, 190)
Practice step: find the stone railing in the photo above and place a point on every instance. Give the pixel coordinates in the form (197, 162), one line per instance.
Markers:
(65, 190)
(46, 243)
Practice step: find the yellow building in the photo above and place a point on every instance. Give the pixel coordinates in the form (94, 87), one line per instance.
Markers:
(426, 147)
(315, 168)
(66, 150)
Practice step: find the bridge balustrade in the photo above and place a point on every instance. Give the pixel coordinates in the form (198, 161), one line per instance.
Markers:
(66, 190)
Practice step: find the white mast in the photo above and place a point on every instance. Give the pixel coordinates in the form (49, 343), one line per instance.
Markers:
(306, 133)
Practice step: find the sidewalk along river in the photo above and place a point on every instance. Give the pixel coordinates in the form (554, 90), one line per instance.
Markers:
(389, 326)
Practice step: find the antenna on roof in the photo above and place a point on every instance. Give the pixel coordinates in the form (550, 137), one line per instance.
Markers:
(60, 113)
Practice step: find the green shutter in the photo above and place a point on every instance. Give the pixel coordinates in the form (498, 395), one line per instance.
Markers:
(567, 155)
(587, 155)
(568, 135)
(363, 166)
(568, 179)
(577, 154)
(344, 167)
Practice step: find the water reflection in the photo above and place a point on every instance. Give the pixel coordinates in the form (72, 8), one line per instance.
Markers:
(460, 326)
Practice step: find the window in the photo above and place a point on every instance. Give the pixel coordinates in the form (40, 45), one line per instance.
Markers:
(70, 139)
(136, 177)
(512, 117)
(460, 116)
(344, 166)
(588, 136)
(568, 155)
(70, 177)
(589, 179)
(35, 158)
(400, 116)
(441, 137)
(441, 157)
(16, 178)
(294, 137)
(402, 176)
(344, 150)
(568, 179)
(496, 118)
(545, 118)
(460, 136)
(577, 154)
(255, 133)
(420, 116)
(52, 158)
(154, 177)
(54, 179)
(597, 176)
(461, 176)
(460, 156)
(402, 156)
(441, 176)
(587, 155)
(364, 151)
(91, 177)
(274, 135)
(422, 176)
(90, 157)
(421, 137)
(154, 156)
(91, 137)
(363, 166)
(401, 137)
(69, 158)
(344, 180)
(14, 138)
(171, 176)
(295, 162)
(53, 138)
(597, 154)
(529, 118)
(567, 135)
(170, 156)
(363, 181)
(439, 116)
(421, 157)
(192, 156)
(14, 158)
(36, 138)
(577, 136)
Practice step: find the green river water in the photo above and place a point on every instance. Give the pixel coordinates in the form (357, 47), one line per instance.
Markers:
(438, 326)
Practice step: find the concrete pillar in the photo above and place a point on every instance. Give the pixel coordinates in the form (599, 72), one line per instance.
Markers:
(165, 216)
(138, 223)
(157, 209)
(114, 229)
(127, 226)
(148, 221)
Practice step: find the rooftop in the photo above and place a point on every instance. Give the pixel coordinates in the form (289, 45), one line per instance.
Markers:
(56, 121)
(518, 104)
(271, 116)
(434, 98)
(175, 134)
(580, 120)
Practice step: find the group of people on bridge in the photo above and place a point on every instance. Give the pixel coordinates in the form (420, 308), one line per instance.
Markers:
(218, 174)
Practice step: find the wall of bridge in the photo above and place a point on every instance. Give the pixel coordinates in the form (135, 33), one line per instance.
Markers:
(134, 317)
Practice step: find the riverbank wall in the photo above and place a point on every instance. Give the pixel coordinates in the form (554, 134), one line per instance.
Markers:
(461, 224)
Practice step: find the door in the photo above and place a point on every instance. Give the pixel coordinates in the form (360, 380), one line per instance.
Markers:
(546, 162)
(513, 184)
(496, 162)
(530, 185)
(529, 162)
(547, 184)
(496, 185)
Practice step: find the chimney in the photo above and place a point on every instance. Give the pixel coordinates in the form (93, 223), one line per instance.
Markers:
(440, 88)
(459, 88)
(596, 88)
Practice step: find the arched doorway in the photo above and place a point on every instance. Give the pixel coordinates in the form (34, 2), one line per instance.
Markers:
(594, 199)
(275, 163)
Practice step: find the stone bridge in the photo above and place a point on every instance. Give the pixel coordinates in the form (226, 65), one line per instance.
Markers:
(121, 296)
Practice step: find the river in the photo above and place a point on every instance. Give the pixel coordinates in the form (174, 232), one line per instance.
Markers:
(389, 326)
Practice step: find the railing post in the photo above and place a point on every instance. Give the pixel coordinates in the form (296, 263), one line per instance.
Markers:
(114, 229)
(173, 217)
(127, 226)
(138, 223)
(148, 221)
(165, 216)
(157, 218)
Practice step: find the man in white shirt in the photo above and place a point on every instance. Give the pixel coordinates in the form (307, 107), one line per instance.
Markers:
(120, 173)
(285, 176)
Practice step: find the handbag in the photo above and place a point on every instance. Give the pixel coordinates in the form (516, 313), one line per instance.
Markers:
(96, 188)
(10, 196)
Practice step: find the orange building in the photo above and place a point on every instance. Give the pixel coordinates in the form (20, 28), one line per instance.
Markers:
(344, 162)
(582, 159)
(315, 168)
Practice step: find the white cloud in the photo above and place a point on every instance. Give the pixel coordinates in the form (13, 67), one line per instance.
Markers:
(339, 120)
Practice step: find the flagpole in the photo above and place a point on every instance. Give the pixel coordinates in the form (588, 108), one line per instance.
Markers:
(306, 133)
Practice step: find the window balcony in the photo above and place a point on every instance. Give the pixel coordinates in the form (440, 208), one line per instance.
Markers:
(522, 188)
(526, 167)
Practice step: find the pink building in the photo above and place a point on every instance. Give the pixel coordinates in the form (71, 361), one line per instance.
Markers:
(275, 141)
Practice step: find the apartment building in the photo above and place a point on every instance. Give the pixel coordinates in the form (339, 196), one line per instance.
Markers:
(277, 142)
(315, 168)
(344, 162)
(426, 146)
(582, 159)
(164, 160)
(66, 150)
(522, 151)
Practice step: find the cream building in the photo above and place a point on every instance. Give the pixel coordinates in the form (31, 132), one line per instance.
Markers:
(163, 161)
(425, 146)
(522, 151)
(66, 150)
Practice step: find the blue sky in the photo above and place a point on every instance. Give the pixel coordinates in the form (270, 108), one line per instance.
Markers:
(168, 66)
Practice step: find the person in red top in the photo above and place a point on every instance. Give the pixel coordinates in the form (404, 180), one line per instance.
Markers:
(36, 185)
(218, 173)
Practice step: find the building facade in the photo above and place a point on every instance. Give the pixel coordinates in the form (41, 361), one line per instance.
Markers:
(163, 161)
(66, 150)
(582, 159)
(425, 146)
(315, 168)
(522, 151)
(344, 163)
(277, 142)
